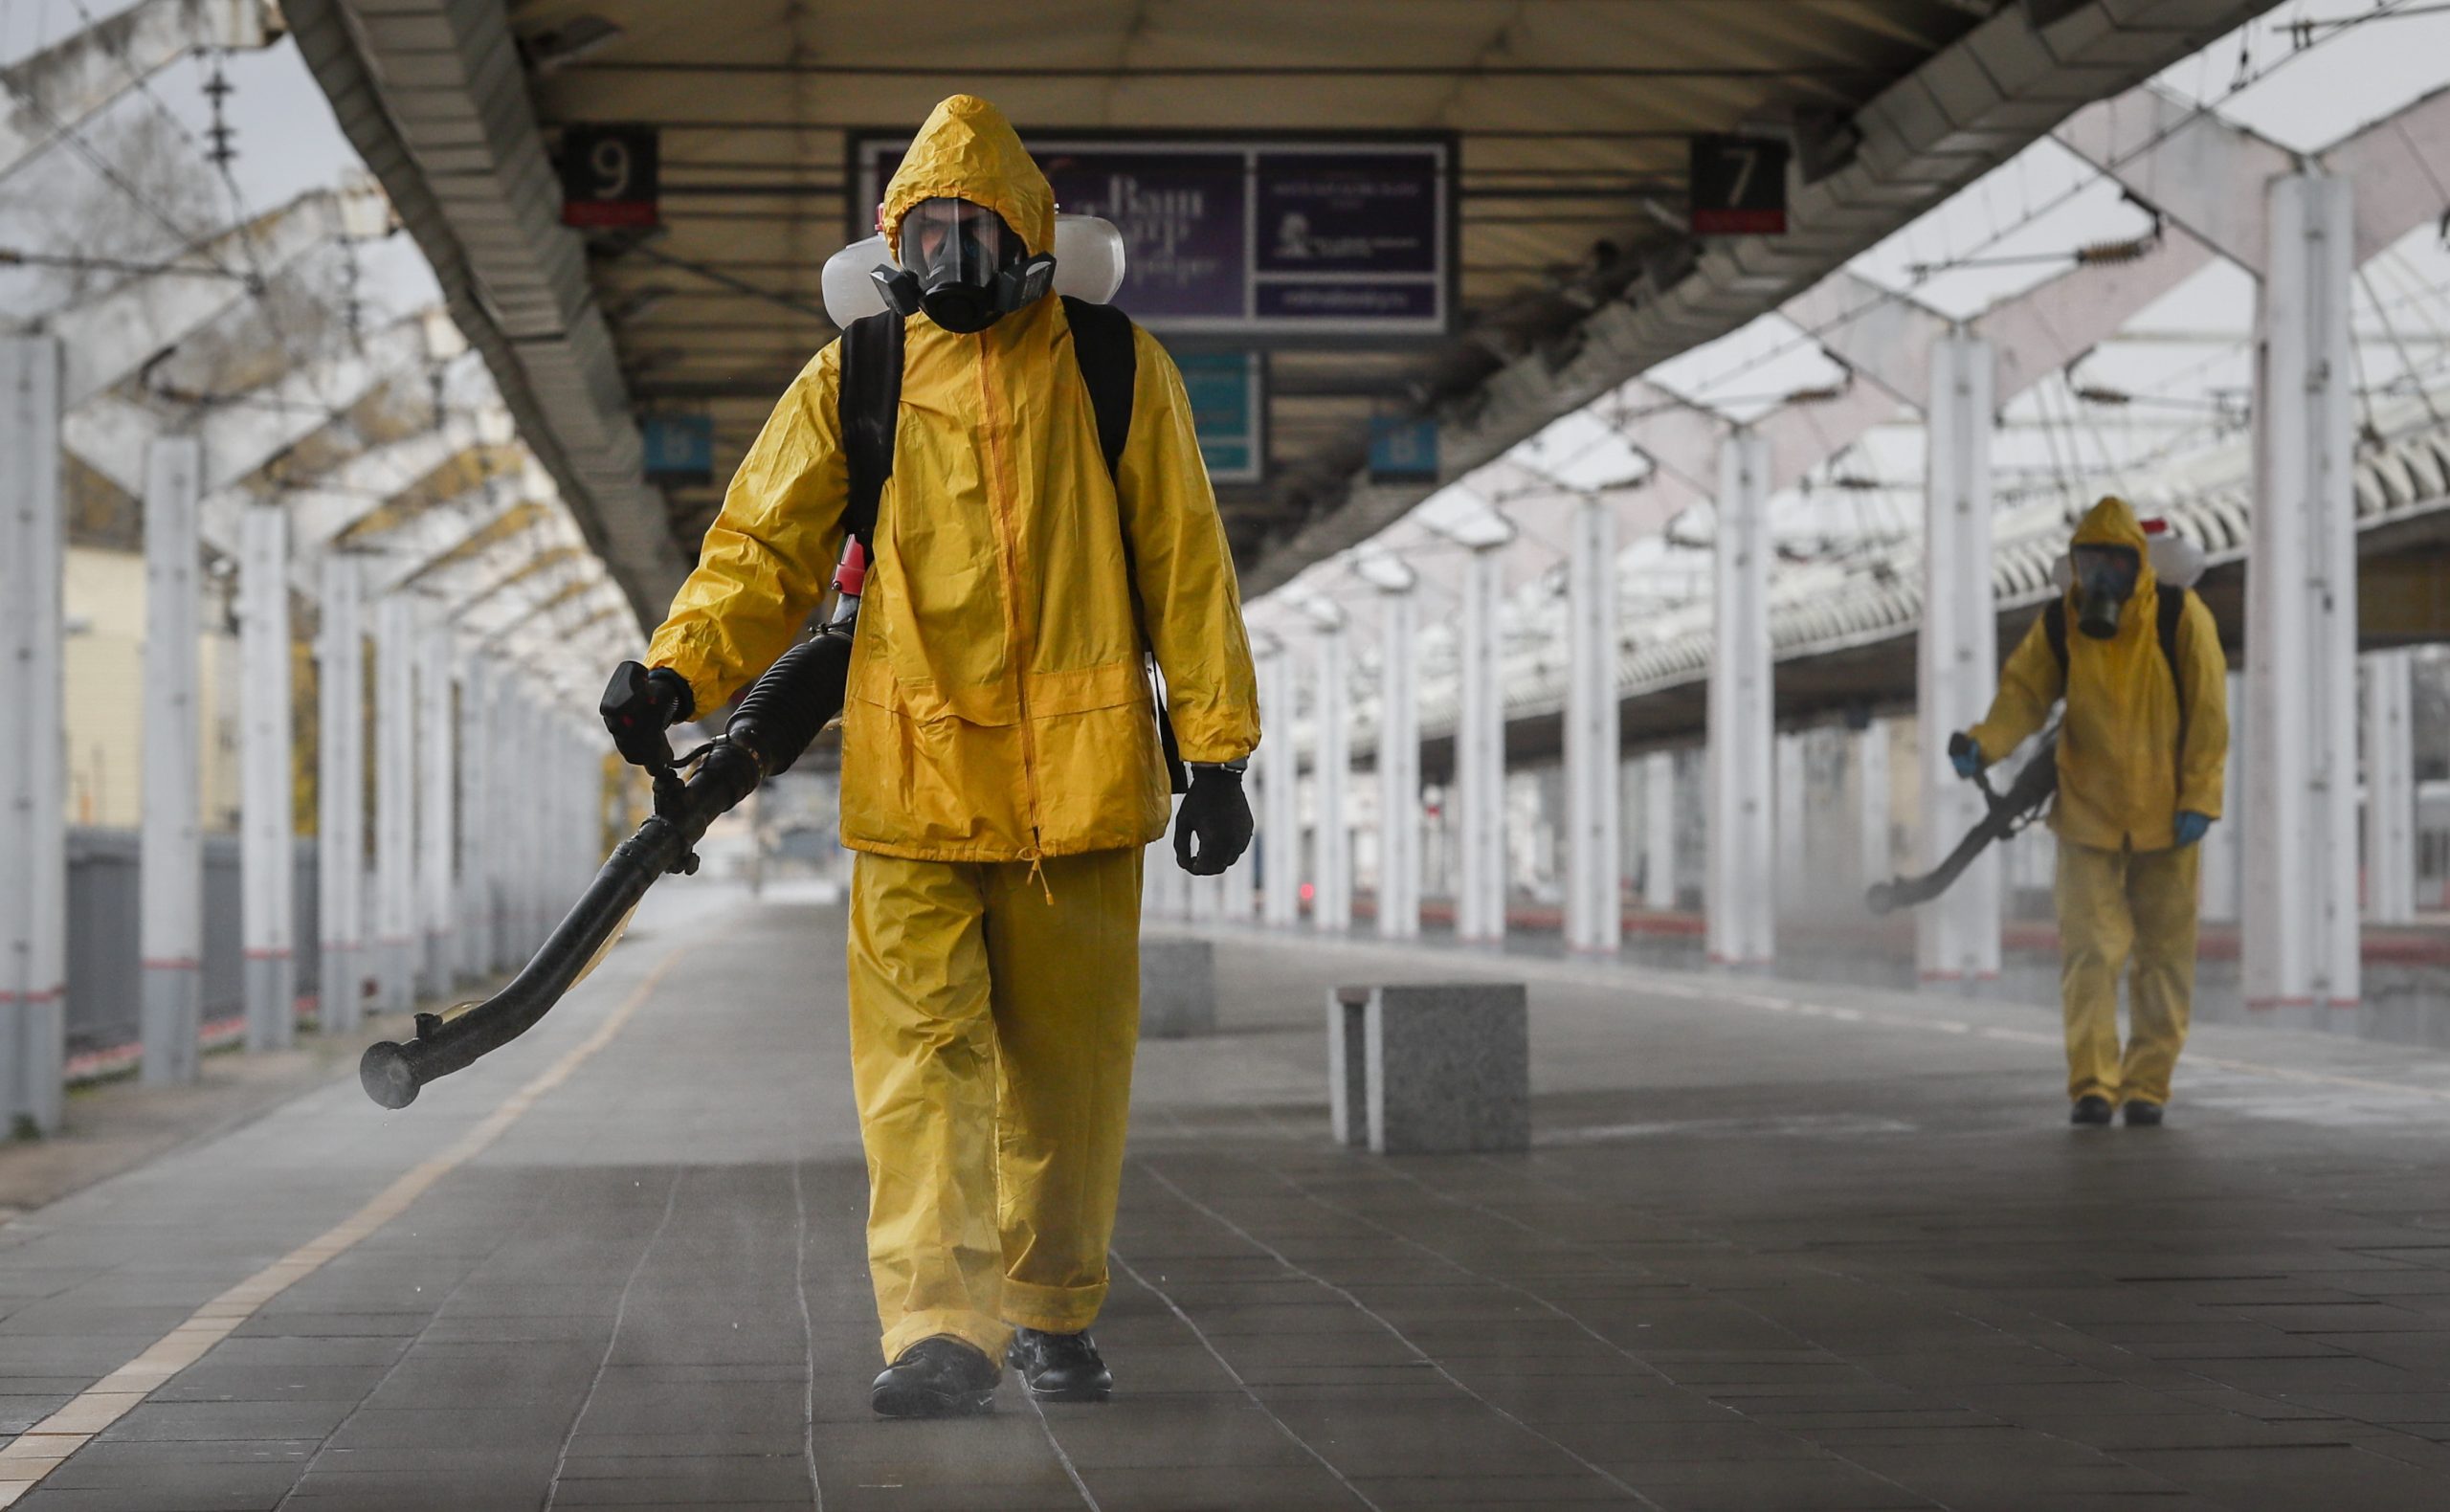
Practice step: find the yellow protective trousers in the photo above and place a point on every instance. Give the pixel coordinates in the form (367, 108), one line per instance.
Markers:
(2116, 906)
(994, 1011)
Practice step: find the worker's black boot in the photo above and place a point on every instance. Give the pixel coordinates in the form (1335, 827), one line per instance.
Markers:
(2090, 1110)
(938, 1377)
(1060, 1367)
(2143, 1115)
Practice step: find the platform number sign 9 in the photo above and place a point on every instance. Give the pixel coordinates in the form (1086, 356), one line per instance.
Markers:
(608, 176)
(1739, 187)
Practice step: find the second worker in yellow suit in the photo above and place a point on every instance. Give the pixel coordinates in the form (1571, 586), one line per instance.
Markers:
(1001, 766)
(2142, 752)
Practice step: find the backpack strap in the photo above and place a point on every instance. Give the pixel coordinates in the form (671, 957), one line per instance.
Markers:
(867, 406)
(1101, 344)
(2169, 613)
(2053, 629)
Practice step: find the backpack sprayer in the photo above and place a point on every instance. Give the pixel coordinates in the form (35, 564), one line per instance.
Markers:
(799, 695)
(2178, 563)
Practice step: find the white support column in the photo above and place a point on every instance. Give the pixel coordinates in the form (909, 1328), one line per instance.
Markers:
(34, 798)
(1957, 934)
(340, 798)
(2301, 940)
(437, 822)
(2389, 788)
(395, 804)
(477, 751)
(170, 870)
(537, 828)
(1478, 798)
(1239, 894)
(1595, 907)
(1742, 887)
(1871, 801)
(522, 831)
(1794, 888)
(1658, 831)
(1331, 899)
(268, 861)
(502, 841)
(1279, 765)
(1399, 764)
(2224, 847)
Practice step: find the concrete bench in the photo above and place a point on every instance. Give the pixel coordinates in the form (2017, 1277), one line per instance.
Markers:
(1434, 1068)
(1177, 988)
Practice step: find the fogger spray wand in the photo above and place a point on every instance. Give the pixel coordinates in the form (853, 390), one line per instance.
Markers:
(2009, 813)
(799, 695)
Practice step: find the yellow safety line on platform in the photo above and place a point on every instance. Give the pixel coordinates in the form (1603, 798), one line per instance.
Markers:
(38, 1451)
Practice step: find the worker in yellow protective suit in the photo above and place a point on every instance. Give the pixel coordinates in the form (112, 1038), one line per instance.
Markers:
(1001, 762)
(2141, 757)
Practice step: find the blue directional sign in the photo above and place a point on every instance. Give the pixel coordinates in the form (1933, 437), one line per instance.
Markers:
(1403, 450)
(1229, 409)
(679, 448)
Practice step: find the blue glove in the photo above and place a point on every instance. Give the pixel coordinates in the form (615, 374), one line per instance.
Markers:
(1964, 755)
(2192, 826)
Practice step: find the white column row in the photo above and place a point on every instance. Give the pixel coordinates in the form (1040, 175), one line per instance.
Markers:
(2301, 948)
(1480, 756)
(1739, 895)
(1399, 764)
(438, 826)
(170, 842)
(1280, 798)
(395, 758)
(2292, 813)
(34, 789)
(2389, 788)
(1331, 839)
(418, 907)
(1593, 902)
(345, 963)
(267, 855)
(1957, 934)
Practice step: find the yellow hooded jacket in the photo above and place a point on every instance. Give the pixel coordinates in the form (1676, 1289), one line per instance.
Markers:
(998, 707)
(2122, 778)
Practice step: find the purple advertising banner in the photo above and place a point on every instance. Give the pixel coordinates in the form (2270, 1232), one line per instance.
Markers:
(1362, 212)
(1183, 220)
(1251, 237)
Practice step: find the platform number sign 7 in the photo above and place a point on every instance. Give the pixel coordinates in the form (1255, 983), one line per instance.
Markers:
(1739, 185)
(609, 176)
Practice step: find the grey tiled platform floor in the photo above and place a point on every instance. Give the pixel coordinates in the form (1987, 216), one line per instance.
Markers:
(1773, 1248)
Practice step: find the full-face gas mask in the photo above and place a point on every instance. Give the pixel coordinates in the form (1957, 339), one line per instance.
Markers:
(962, 266)
(2105, 579)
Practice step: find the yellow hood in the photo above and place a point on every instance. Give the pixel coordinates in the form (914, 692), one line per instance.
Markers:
(2113, 522)
(968, 150)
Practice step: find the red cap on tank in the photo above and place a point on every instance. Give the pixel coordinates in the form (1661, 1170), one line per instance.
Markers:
(852, 576)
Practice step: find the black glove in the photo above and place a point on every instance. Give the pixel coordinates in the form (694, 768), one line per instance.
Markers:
(1216, 811)
(638, 706)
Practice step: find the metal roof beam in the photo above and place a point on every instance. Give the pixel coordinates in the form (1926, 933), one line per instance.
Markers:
(107, 337)
(1970, 107)
(52, 92)
(108, 432)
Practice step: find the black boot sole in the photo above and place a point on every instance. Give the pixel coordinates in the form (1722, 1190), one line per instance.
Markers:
(906, 1401)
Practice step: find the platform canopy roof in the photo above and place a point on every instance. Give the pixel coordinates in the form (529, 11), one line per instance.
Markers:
(1571, 120)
